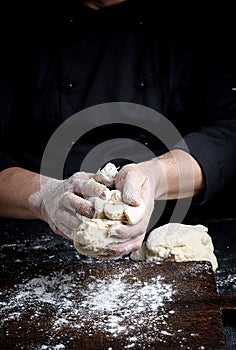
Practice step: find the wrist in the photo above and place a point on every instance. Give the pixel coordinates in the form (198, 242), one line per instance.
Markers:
(35, 199)
(175, 174)
(155, 171)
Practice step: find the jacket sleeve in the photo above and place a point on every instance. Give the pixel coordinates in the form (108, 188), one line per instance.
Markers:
(214, 148)
(213, 142)
(6, 103)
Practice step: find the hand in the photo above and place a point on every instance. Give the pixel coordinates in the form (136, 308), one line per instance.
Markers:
(99, 4)
(59, 201)
(136, 182)
(175, 174)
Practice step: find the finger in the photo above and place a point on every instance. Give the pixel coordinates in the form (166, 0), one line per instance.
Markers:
(131, 193)
(109, 256)
(91, 188)
(61, 232)
(128, 231)
(124, 248)
(78, 205)
(130, 181)
(68, 220)
(79, 176)
(65, 223)
(66, 231)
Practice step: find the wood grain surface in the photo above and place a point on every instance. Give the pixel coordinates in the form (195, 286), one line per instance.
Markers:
(111, 305)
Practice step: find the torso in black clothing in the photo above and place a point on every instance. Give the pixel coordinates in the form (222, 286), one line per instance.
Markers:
(81, 58)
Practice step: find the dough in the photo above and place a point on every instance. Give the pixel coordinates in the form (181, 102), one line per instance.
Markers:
(94, 234)
(115, 209)
(177, 242)
(134, 214)
(107, 175)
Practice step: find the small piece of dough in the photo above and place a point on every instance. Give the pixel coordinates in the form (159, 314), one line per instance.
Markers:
(98, 204)
(115, 210)
(115, 195)
(107, 175)
(134, 214)
(177, 242)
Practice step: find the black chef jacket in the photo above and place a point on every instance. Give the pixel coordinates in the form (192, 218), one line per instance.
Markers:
(56, 64)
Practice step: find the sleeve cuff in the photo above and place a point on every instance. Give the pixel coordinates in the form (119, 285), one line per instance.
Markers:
(209, 157)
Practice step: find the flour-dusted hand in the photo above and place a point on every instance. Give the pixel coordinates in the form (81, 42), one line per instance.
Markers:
(137, 188)
(60, 201)
(173, 175)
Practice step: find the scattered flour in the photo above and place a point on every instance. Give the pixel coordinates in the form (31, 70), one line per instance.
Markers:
(111, 304)
(225, 284)
(229, 280)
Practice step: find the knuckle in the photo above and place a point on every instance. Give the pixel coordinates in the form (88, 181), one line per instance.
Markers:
(78, 176)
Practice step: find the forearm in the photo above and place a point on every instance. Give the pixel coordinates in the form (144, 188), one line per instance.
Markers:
(176, 175)
(16, 186)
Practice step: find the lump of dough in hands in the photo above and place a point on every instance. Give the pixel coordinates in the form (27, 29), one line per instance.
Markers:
(115, 209)
(93, 236)
(177, 242)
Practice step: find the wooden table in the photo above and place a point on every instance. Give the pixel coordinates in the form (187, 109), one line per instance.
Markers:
(111, 305)
(53, 298)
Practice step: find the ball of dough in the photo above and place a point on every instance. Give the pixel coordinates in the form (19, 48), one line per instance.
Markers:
(177, 242)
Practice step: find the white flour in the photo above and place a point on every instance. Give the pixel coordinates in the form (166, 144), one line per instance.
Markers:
(110, 304)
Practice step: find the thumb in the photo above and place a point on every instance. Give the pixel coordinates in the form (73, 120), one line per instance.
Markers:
(131, 192)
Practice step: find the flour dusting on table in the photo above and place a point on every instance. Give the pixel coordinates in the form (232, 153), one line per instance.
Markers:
(112, 304)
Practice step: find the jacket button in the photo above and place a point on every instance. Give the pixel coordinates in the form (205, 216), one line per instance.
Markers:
(141, 85)
(70, 20)
(67, 85)
(140, 21)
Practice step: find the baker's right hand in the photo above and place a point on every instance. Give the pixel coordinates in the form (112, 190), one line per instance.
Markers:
(59, 201)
